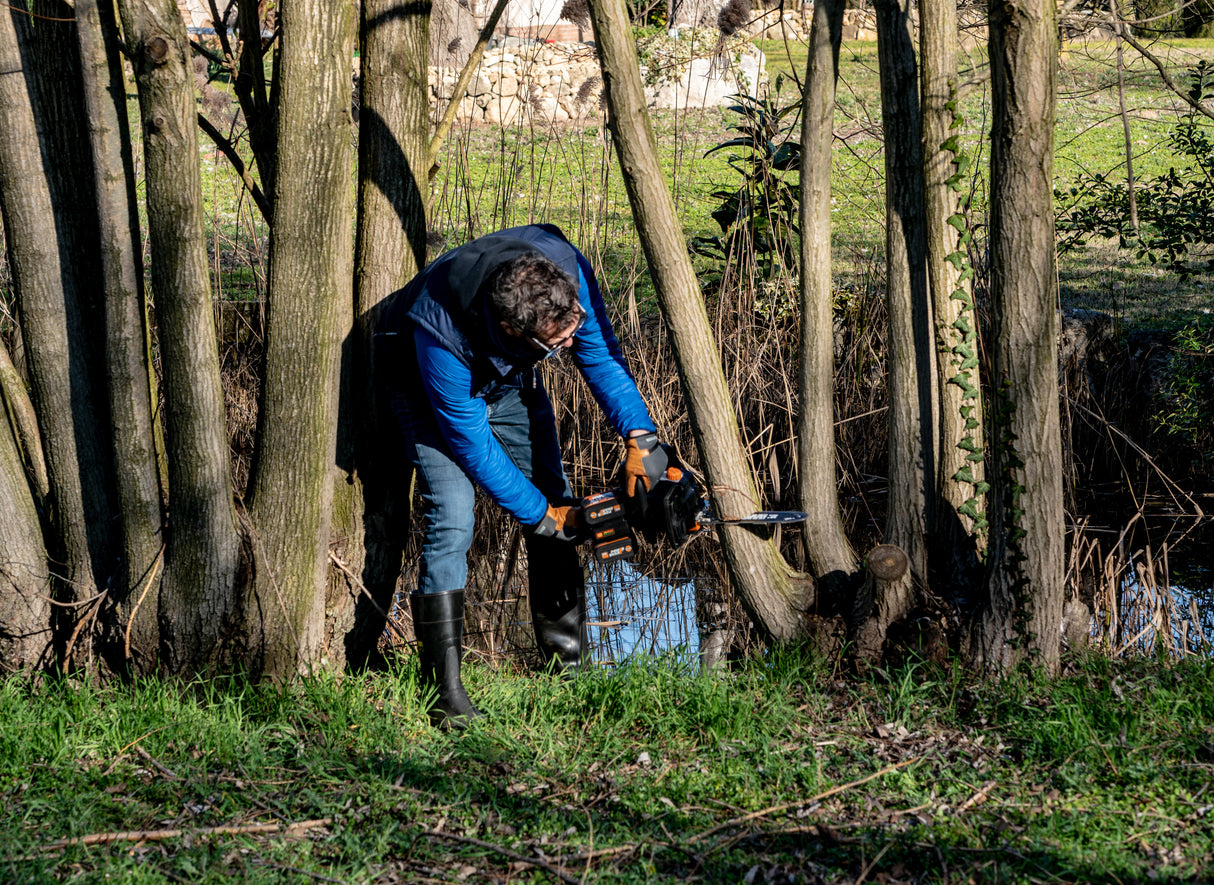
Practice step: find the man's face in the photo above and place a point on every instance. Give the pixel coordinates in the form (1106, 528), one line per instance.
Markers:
(553, 339)
(556, 338)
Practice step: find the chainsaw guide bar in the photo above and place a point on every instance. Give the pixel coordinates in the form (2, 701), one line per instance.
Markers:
(761, 517)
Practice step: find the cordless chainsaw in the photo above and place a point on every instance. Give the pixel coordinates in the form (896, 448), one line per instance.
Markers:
(674, 508)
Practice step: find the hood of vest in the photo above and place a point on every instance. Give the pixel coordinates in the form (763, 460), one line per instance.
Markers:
(447, 299)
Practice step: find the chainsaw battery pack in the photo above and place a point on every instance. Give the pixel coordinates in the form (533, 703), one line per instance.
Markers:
(610, 535)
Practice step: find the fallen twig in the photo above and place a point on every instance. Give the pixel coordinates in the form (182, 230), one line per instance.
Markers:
(596, 853)
(122, 753)
(869, 868)
(155, 763)
(763, 812)
(506, 852)
(980, 796)
(162, 835)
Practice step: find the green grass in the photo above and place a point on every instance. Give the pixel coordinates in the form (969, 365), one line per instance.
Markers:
(648, 773)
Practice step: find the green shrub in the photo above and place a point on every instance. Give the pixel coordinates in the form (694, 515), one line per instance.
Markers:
(1188, 392)
(1158, 18)
(758, 218)
(1175, 210)
(1198, 18)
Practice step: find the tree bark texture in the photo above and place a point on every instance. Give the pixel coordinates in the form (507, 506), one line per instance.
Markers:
(832, 560)
(309, 318)
(25, 585)
(910, 354)
(960, 507)
(390, 248)
(773, 594)
(452, 29)
(40, 168)
(1024, 616)
(19, 409)
(133, 624)
(202, 545)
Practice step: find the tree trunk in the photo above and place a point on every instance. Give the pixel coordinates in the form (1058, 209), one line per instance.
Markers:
(1130, 189)
(202, 546)
(832, 560)
(134, 626)
(25, 586)
(773, 594)
(390, 249)
(24, 420)
(911, 356)
(960, 507)
(310, 311)
(39, 169)
(451, 28)
(1027, 530)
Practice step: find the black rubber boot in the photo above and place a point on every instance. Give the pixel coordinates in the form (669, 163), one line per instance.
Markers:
(438, 621)
(560, 629)
(557, 593)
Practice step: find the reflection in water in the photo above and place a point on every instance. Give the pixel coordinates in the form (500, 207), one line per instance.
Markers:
(631, 613)
(1155, 590)
(1149, 587)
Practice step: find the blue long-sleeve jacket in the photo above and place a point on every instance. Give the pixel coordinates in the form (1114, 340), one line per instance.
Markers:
(444, 341)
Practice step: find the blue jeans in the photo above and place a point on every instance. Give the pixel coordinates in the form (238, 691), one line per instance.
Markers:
(522, 420)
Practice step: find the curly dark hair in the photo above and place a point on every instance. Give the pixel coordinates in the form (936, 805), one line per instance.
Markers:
(533, 295)
(576, 11)
(733, 16)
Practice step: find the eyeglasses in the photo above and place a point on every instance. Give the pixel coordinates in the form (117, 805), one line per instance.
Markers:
(556, 346)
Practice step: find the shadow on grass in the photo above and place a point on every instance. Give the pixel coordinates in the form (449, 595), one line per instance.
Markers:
(772, 773)
(602, 840)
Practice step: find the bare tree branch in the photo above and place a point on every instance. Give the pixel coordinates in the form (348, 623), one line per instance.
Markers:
(461, 86)
(229, 151)
(1167, 79)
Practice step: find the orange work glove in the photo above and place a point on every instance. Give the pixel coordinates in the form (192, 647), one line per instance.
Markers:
(644, 463)
(561, 521)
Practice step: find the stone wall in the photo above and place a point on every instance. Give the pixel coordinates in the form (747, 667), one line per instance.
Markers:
(858, 24)
(540, 82)
(541, 79)
(549, 75)
(526, 82)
